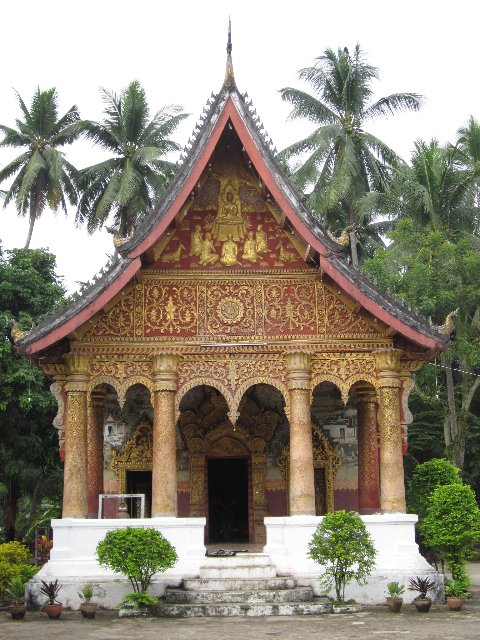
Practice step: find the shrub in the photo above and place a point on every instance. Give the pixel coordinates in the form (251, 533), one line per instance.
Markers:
(13, 559)
(342, 544)
(14, 553)
(138, 600)
(425, 479)
(452, 525)
(138, 553)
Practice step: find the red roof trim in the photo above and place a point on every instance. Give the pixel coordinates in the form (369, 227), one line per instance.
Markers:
(85, 314)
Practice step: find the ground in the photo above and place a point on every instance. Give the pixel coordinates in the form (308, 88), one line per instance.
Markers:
(371, 622)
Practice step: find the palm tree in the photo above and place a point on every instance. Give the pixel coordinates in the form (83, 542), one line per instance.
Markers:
(42, 175)
(127, 183)
(339, 161)
(468, 143)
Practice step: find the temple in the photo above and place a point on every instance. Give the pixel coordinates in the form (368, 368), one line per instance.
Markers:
(233, 368)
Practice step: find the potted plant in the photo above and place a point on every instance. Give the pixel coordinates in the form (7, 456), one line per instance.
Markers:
(87, 607)
(455, 593)
(16, 591)
(394, 599)
(53, 608)
(423, 585)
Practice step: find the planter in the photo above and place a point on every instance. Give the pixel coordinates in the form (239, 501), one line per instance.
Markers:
(53, 611)
(394, 604)
(423, 604)
(17, 611)
(455, 604)
(88, 609)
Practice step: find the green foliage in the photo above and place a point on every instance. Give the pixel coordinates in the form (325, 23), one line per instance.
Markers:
(14, 566)
(138, 600)
(16, 589)
(452, 525)
(458, 587)
(395, 589)
(14, 553)
(343, 546)
(138, 553)
(426, 478)
(86, 594)
(30, 467)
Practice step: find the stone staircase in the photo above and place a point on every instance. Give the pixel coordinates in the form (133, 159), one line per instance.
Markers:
(243, 585)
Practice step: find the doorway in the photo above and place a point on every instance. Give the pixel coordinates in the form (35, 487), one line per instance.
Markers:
(227, 500)
(139, 482)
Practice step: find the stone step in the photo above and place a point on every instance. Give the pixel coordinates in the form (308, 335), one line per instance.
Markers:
(235, 584)
(237, 571)
(319, 606)
(239, 560)
(297, 594)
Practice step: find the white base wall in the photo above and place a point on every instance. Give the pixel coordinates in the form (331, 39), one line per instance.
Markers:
(72, 559)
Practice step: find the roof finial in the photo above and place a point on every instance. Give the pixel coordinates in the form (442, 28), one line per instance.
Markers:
(229, 82)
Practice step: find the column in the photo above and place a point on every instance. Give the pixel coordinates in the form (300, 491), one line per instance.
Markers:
(95, 450)
(301, 476)
(75, 466)
(392, 489)
(164, 459)
(368, 468)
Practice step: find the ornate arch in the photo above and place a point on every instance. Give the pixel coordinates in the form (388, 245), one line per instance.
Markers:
(371, 380)
(110, 380)
(198, 382)
(342, 385)
(245, 386)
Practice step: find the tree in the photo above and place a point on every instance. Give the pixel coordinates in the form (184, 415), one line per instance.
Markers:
(126, 184)
(426, 478)
(137, 553)
(29, 461)
(452, 525)
(42, 174)
(342, 544)
(343, 161)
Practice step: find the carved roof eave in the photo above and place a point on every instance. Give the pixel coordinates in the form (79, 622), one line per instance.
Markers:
(78, 311)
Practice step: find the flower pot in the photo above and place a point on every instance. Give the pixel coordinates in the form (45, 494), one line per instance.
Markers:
(17, 610)
(53, 611)
(423, 604)
(88, 609)
(454, 603)
(394, 604)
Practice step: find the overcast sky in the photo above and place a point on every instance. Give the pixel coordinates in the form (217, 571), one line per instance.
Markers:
(177, 51)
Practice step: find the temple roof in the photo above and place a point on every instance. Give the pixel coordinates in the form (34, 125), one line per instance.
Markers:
(229, 108)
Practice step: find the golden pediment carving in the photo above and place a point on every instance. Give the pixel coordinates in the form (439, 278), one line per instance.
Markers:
(136, 455)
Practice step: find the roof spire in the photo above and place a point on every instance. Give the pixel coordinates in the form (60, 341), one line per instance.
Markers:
(229, 82)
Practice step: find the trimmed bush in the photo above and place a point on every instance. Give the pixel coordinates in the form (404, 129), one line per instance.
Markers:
(425, 479)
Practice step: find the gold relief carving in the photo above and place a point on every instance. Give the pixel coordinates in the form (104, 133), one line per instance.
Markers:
(75, 469)
(164, 464)
(76, 364)
(298, 362)
(52, 370)
(298, 377)
(139, 309)
(229, 225)
(408, 385)
(183, 486)
(290, 307)
(208, 255)
(229, 253)
(391, 455)
(230, 309)
(136, 455)
(342, 321)
(120, 369)
(165, 367)
(325, 456)
(226, 447)
(387, 360)
(170, 308)
(95, 449)
(117, 322)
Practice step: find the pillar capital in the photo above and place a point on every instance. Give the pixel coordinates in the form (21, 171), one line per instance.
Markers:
(165, 368)
(365, 394)
(298, 370)
(76, 366)
(387, 362)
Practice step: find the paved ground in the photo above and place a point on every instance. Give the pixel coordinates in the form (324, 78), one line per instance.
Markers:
(372, 622)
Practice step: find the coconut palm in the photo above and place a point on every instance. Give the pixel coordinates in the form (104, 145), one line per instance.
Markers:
(468, 143)
(126, 184)
(43, 177)
(339, 161)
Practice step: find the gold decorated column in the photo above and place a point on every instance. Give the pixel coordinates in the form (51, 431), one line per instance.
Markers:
(95, 450)
(301, 476)
(368, 468)
(164, 460)
(392, 489)
(75, 503)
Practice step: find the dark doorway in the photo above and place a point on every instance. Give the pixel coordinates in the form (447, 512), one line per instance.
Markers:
(228, 500)
(139, 482)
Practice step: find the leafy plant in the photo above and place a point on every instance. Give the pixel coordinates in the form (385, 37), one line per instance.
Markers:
(422, 585)
(342, 544)
(86, 594)
(16, 590)
(139, 600)
(395, 589)
(138, 553)
(425, 479)
(457, 588)
(51, 590)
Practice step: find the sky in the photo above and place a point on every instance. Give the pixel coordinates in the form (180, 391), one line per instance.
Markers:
(177, 52)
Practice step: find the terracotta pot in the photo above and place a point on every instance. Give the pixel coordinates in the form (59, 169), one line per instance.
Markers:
(53, 611)
(394, 604)
(455, 604)
(17, 610)
(423, 604)
(88, 609)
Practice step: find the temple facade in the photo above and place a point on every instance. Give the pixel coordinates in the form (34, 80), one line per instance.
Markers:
(230, 366)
